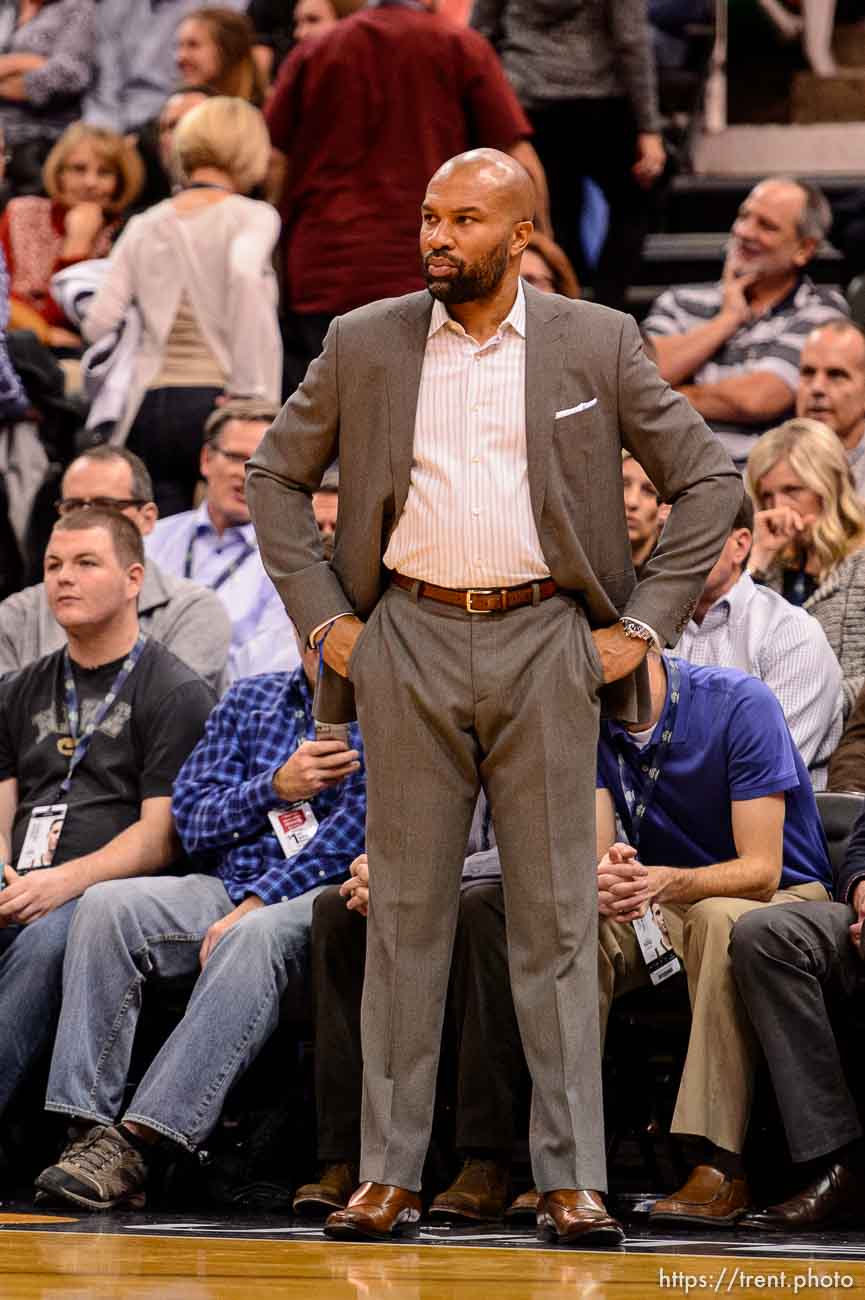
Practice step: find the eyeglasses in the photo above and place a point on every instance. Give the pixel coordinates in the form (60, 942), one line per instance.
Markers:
(68, 504)
(233, 457)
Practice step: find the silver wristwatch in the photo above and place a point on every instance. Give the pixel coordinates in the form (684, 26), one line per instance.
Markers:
(636, 631)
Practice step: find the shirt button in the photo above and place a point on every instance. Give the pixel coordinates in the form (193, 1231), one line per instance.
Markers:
(476, 510)
(283, 898)
(476, 460)
(321, 873)
(236, 835)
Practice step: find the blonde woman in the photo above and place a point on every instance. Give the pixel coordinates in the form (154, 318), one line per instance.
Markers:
(809, 535)
(91, 176)
(198, 268)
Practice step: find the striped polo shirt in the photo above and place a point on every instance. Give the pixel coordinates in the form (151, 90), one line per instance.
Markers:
(771, 343)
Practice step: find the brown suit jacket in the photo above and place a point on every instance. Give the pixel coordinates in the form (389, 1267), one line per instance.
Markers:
(358, 402)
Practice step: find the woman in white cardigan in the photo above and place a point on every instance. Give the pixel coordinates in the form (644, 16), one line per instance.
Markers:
(198, 269)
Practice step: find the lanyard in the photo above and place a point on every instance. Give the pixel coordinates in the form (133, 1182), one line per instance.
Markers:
(83, 741)
(639, 807)
(229, 570)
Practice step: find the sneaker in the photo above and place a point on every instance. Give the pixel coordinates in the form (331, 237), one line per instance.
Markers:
(100, 1170)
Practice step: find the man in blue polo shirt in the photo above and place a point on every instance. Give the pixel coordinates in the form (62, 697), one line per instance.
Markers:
(721, 819)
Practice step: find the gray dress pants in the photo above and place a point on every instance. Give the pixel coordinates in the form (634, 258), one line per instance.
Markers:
(448, 700)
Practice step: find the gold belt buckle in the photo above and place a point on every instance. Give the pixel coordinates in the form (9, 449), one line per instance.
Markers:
(479, 591)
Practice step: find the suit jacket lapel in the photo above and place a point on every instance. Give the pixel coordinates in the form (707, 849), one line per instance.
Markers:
(544, 363)
(403, 369)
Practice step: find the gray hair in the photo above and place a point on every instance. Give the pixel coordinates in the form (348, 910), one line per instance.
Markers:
(815, 221)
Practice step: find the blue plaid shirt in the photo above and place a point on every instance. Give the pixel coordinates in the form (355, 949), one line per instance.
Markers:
(224, 792)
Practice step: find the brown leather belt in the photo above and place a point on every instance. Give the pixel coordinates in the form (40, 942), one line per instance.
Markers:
(480, 600)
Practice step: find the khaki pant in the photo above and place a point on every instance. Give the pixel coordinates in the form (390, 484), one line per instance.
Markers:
(715, 1091)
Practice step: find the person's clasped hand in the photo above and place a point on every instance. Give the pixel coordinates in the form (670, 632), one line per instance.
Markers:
(356, 888)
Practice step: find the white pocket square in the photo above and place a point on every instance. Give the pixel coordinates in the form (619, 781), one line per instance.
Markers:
(574, 410)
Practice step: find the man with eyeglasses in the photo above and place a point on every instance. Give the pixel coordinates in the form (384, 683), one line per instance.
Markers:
(215, 545)
(184, 617)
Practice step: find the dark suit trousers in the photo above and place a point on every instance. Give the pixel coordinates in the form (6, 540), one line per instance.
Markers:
(491, 1061)
(336, 960)
(447, 700)
(793, 964)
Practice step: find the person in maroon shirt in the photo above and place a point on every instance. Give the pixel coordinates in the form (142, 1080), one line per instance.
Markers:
(364, 115)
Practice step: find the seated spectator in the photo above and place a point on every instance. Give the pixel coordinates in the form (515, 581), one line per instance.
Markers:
(279, 815)
(546, 266)
(215, 545)
(156, 145)
(809, 535)
(136, 64)
(185, 618)
(832, 388)
(46, 61)
(644, 512)
(753, 838)
(325, 506)
(214, 48)
(91, 177)
(264, 652)
(796, 968)
(738, 624)
(198, 269)
(733, 347)
(91, 736)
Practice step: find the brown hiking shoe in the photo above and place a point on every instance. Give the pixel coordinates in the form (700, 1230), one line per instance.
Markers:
(331, 1192)
(479, 1192)
(100, 1171)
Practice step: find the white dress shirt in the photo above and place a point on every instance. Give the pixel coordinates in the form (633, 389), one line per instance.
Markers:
(467, 520)
(262, 635)
(756, 630)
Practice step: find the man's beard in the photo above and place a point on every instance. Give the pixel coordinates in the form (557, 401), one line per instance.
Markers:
(472, 282)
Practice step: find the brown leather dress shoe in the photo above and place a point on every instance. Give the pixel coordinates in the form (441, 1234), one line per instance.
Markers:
(577, 1218)
(331, 1192)
(376, 1212)
(525, 1208)
(836, 1197)
(478, 1193)
(708, 1199)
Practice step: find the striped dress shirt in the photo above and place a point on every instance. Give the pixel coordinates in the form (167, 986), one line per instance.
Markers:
(756, 630)
(468, 519)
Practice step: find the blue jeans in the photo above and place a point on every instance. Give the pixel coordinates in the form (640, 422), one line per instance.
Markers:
(31, 972)
(128, 931)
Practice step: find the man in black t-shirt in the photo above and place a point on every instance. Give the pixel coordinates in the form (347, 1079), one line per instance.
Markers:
(91, 738)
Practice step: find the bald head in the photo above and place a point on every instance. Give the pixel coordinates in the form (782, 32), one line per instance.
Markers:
(497, 177)
(832, 379)
(475, 224)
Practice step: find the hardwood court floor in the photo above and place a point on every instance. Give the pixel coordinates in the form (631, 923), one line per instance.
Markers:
(60, 1258)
